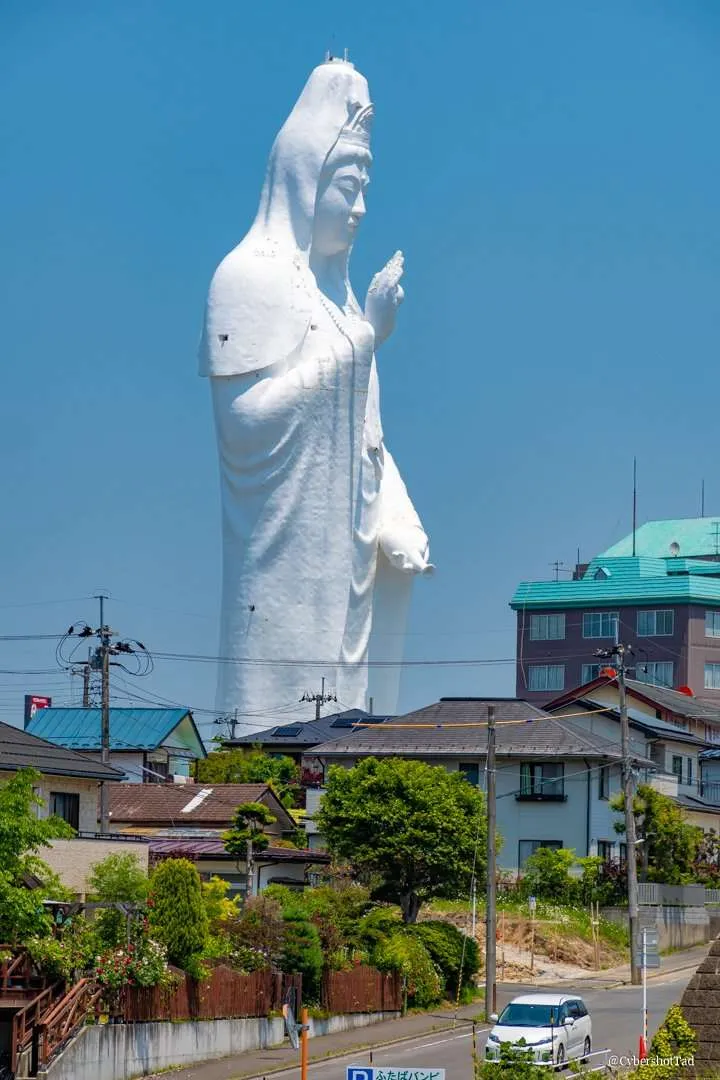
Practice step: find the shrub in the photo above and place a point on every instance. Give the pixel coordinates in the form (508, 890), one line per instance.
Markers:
(405, 953)
(547, 874)
(257, 935)
(513, 1063)
(449, 949)
(178, 919)
(302, 953)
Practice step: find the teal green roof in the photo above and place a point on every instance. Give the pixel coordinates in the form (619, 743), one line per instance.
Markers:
(629, 582)
(694, 536)
(130, 729)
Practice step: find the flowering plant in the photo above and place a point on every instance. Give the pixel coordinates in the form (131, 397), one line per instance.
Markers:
(144, 964)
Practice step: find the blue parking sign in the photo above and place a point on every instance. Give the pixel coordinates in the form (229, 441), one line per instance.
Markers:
(358, 1073)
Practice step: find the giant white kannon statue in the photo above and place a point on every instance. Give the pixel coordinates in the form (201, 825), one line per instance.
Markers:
(320, 540)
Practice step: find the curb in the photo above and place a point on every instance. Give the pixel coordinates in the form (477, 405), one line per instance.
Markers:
(436, 1029)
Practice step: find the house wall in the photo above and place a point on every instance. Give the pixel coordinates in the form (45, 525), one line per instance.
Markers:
(88, 791)
(578, 822)
(574, 650)
(661, 749)
(73, 860)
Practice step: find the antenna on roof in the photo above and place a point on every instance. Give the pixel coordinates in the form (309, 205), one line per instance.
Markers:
(702, 499)
(634, 512)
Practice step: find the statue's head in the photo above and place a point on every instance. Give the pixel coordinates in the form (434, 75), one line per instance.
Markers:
(318, 168)
(340, 201)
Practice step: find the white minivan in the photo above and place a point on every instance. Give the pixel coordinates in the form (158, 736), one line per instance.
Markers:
(556, 1027)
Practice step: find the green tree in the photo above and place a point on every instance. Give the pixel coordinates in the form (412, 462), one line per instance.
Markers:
(302, 953)
(413, 831)
(547, 873)
(22, 835)
(670, 844)
(119, 878)
(178, 918)
(250, 766)
(248, 824)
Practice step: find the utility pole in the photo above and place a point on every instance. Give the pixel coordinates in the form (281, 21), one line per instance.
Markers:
(100, 661)
(490, 916)
(86, 684)
(620, 652)
(320, 699)
(103, 656)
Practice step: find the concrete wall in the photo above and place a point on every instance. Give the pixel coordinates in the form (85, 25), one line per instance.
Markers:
(122, 1051)
(678, 927)
(73, 859)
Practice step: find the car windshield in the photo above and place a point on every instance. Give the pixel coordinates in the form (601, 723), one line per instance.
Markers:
(519, 1014)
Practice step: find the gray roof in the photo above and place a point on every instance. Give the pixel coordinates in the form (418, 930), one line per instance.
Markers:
(458, 727)
(19, 750)
(690, 802)
(301, 734)
(682, 704)
(661, 728)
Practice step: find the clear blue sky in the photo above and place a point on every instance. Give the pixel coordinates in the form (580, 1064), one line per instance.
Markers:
(551, 172)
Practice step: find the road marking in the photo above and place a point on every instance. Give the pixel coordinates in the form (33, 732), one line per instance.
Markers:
(438, 1042)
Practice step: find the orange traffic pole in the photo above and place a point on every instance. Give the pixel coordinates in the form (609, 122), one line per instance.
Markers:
(303, 1044)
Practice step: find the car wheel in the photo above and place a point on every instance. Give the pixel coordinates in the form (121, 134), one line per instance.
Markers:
(586, 1050)
(560, 1060)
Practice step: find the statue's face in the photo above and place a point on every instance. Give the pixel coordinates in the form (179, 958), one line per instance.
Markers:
(340, 205)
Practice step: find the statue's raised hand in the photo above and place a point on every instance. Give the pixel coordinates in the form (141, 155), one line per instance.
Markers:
(384, 297)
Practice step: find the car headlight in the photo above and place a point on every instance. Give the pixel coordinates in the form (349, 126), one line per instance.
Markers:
(493, 1038)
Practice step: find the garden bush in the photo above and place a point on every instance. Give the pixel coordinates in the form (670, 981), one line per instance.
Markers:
(405, 953)
(449, 949)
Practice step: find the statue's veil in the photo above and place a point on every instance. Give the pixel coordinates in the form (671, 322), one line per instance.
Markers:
(259, 306)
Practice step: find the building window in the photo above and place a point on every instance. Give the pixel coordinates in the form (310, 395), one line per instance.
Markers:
(712, 676)
(604, 782)
(657, 673)
(471, 772)
(656, 623)
(547, 627)
(600, 624)
(605, 849)
(623, 852)
(590, 672)
(677, 767)
(689, 771)
(66, 805)
(546, 677)
(526, 848)
(542, 780)
(712, 733)
(712, 624)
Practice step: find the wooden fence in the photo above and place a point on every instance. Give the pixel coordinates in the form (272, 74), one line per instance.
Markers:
(225, 994)
(362, 989)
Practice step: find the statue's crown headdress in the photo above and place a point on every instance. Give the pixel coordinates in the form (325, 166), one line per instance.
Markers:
(358, 127)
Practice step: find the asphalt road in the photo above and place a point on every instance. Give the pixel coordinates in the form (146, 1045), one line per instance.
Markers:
(616, 1017)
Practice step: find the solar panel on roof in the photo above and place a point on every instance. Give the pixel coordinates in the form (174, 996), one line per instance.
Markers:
(344, 722)
(289, 730)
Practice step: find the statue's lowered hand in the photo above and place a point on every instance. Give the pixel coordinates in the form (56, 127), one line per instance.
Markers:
(407, 549)
(384, 297)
